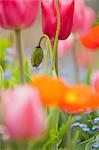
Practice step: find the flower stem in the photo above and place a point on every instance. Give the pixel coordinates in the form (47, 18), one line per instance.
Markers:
(68, 134)
(1, 81)
(20, 54)
(55, 58)
(56, 64)
(46, 58)
(76, 67)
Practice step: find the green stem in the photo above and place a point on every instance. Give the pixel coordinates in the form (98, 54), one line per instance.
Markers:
(46, 58)
(20, 54)
(76, 67)
(68, 135)
(48, 51)
(55, 114)
(56, 64)
(48, 44)
(1, 81)
(1, 78)
(54, 58)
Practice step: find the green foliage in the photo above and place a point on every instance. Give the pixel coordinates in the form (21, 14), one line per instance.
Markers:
(88, 73)
(15, 78)
(4, 43)
(86, 145)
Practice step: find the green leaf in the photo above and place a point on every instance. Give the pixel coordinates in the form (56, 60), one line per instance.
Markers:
(82, 145)
(89, 145)
(88, 73)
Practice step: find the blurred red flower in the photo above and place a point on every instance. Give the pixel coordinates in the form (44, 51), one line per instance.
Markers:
(16, 14)
(91, 39)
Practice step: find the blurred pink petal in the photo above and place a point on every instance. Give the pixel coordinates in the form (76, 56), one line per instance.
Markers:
(24, 116)
(85, 59)
(65, 45)
(3, 133)
(95, 80)
(16, 14)
(84, 17)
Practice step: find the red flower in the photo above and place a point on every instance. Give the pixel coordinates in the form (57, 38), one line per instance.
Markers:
(91, 39)
(49, 18)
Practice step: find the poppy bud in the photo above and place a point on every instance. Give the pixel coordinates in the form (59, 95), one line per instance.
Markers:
(37, 57)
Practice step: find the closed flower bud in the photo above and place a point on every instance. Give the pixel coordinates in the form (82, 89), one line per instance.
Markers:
(37, 57)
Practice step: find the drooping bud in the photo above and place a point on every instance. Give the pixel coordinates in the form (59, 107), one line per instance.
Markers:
(37, 56)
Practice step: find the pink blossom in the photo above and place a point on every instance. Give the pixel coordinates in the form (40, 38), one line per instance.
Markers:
(15, 14)
(84, 16)
(23, 113)
(65, 45)
(95, 80)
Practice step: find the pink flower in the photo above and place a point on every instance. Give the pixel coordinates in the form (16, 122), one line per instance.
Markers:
(15, 14)
(84, 17)
(24, 116)
(95, 80)
(65, 45)
(49, 18)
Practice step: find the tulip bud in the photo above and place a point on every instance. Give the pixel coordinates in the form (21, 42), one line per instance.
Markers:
(17, 14)
(49, 17)
(37, 57)
(23, 113)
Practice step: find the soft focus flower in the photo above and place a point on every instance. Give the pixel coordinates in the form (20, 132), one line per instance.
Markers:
(51, 89)
(65, 45)
(71, 99)
(23, 113)
(79, 98)
(84, 17)
(49, 18)
(15, 14)
(95, 80)
(84, 59)
(91, 39)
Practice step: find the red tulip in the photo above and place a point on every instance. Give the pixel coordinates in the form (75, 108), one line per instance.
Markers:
(16, 14)
(49, 18)
(24, 116)
(91, 39)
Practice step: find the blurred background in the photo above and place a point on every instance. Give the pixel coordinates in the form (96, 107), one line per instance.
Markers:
(31, 37)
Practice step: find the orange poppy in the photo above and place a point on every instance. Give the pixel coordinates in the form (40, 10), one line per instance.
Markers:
(71, 99)
(79, 98)
(51, 89)
(91, 39)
